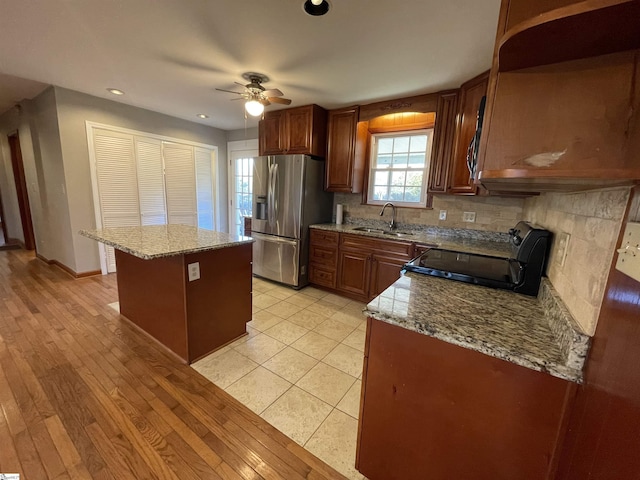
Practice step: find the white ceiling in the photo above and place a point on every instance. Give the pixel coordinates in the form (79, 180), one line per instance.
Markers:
(170, 55)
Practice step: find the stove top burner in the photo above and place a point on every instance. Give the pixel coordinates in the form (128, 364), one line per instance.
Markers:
(520, 273)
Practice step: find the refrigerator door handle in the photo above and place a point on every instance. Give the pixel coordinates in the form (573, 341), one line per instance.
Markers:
(274, 239)
(275, 190)
(270, 197)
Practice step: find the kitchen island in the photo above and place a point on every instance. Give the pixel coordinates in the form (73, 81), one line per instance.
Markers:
(464, 381)
(188, 288)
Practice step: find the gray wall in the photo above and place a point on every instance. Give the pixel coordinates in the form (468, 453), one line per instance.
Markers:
(242, 134)
(10, 122)
(53, 137)
(74, 109)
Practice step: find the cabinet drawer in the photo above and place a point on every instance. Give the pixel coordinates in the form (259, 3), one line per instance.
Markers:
(388, 247)
(322, 276)
(323, 237)
(323, 255)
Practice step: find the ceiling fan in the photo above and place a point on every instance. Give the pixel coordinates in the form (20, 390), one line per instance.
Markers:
(256, 96)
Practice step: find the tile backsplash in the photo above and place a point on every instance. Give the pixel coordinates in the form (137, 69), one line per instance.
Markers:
(496, 214)
(593, 220)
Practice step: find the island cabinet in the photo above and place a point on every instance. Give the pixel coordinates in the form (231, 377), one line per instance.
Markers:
(461, 178)
(430, 409)
(563, 103)
(300, 130)
(186, 287)
(346, 151)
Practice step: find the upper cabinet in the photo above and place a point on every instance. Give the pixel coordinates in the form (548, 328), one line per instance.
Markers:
(461, 179)
(443, 140)
(293, 131)
(346, 147)
(569, 125)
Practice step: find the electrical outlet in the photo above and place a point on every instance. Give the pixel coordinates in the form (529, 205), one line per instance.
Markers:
(443, 215)
(194, 271)
(469, 217)
(561, 249)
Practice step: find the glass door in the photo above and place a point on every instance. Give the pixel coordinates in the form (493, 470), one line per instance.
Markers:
(240, 189)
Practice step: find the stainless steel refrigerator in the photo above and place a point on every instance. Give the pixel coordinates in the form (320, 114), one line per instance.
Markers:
(288, 196)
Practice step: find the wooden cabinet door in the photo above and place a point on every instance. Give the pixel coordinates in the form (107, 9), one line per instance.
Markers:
(272, 134)
(385, 270)
(434, 410)
(341, 152)
(443, 142)
(471, 93)
(353, 272)
(298, 129)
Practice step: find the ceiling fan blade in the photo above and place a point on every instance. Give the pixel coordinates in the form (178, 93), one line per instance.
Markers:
(283, 101)
(273, 92)
(229, 91)
(265, 102)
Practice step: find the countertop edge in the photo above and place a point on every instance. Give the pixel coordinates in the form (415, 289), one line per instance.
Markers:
(145, 256)
(537, 364)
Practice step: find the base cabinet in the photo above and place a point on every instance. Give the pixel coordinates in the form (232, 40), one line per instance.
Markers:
(430, 409)
(355, 266)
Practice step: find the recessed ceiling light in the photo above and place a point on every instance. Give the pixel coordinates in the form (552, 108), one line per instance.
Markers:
(316, 7)
(115, 91)
(202, 115)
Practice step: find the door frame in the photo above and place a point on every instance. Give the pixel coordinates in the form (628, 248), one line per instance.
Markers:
(21, 191)
(251, 148)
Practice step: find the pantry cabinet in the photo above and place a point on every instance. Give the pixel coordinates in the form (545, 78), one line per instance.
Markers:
(563, 114)
(300, 130)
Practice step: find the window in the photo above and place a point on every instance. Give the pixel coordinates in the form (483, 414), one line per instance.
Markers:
(399, 167)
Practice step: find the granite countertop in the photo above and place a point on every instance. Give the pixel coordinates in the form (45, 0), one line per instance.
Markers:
(469, 241)
(537, 333)
(155, 241)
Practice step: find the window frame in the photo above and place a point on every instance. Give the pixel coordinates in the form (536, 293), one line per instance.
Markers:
(372, 153)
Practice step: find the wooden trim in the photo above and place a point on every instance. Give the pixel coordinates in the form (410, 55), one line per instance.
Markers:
(419, 103)
(66, 269)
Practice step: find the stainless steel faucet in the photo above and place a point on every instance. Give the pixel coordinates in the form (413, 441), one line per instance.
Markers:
(392, 223)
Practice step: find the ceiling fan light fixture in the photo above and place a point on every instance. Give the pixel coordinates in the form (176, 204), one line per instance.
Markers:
(316, 8)
(254, 108)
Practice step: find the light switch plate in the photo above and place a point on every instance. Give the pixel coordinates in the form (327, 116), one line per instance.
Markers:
(194, 271)
(629, 252)
(443, 215)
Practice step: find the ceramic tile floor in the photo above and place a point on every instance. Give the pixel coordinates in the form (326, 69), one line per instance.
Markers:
(299, 368)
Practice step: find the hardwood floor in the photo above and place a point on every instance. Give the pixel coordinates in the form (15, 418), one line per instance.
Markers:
(85, 395)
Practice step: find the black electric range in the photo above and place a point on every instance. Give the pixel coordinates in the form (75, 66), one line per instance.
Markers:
(521, 272)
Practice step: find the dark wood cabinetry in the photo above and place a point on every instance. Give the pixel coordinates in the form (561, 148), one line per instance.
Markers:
(561, 114)
(461, 180)
(443, 138)
(430, 409)
(346, 150)
(323, 258)
(294, 130)
(356, 266)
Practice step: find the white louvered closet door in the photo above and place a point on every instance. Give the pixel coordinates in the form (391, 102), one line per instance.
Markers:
(150, 169)
(180, 183)
(117, 184)
(204, 187)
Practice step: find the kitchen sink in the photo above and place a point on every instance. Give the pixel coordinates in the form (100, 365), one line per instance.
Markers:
(391, 233)
(397, 234)
(369, 230)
